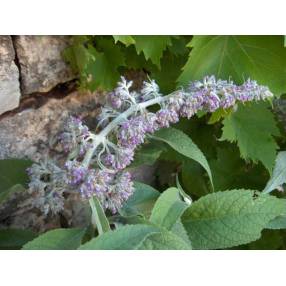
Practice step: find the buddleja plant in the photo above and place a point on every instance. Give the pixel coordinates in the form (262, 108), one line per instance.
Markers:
(139, 216)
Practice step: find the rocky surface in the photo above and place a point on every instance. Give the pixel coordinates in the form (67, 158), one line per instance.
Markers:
(9, 76)
(41, 64)
(28, 134)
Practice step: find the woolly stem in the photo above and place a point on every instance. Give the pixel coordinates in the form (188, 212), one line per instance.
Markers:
(101, 137)
(95, 217)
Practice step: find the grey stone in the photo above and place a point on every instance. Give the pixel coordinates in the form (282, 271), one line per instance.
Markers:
(9, 76)
(27, 134)
(41, 64)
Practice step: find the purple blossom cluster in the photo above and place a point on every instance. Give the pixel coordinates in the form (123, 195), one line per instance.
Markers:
(75, 136)
(112, 189)
(133, 122)
(207, 95)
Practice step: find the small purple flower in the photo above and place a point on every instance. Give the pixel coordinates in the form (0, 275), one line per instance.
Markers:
(212, 102)
(76, 173)
(150, 123)
(114, 100)
(193, 103)
(122, 158)
(227, 101)
(166, 116)
(118, 192)
(131, 132)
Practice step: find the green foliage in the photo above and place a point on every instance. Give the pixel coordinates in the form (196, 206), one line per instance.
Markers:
(168, 209)
(15, 238)
(125, 238)
(230, 171)
(262, 58)
(230, 218)
(164, 240)
(12, 172)
(57, 239)
(104, 71)
(249, 125)
(126, 40)
(184, 145)
(142, 200)
(278, 177)
(277, 223)
(152, 46)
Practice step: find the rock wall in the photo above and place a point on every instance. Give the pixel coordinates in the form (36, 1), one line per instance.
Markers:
(9, 76)
(30, 64)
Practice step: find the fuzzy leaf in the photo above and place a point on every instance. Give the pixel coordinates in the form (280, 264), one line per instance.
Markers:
(253, 128)
(57, 239)
(262, 58)
(126, 40)
(12, 172)
(277, 223)
(164, 240)
(278, 177)
(125, 238)
(15, 238)
(179, 230)
(184, 145)
(168, 209)
(141, 201)
(152, 46)
(230, 218)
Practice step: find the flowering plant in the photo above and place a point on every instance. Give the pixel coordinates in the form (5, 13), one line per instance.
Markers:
(97, 162)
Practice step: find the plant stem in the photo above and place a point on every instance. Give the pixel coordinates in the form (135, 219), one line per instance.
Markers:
(101, 137)
(94, 217)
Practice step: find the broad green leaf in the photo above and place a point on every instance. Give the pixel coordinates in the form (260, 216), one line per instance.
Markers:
(171, 67)
(12, 172)
(15, 238)
(165, 240)
(125, 238)
(152, 46)
(98, 214)
(4, 195)
(227, 169)
(183, 144)
(219, 114)
(168, 208)
(230, 218)
(278, 177)
(194, 179)
(147, 155)
(126, 40)
(104, 71)
(78, 55)
(277, 223)
(179, 45)
(231, 171)
(57, 239)
(262, 58)
(142, 200)
(179, 230)
(253, 127)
